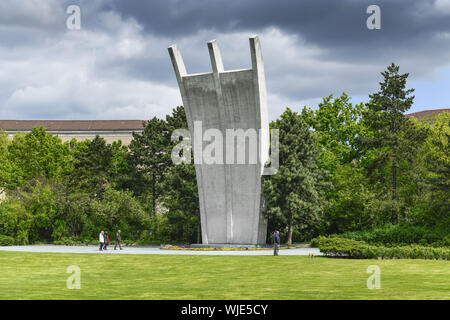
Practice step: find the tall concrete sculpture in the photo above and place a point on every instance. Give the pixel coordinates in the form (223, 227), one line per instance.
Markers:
(229, 193)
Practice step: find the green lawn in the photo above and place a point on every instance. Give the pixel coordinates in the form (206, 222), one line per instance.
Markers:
(43, 276)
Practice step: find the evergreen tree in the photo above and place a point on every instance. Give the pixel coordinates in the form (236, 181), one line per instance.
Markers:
(181, 200)
(92, 165)
(150, 156)
(121, 170)
(393, 139)
(181, 195)
(294, 195)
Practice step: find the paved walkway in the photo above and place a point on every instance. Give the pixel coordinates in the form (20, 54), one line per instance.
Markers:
(157, 250)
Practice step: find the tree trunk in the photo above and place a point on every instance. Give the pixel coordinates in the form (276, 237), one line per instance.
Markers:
(291, 227)
(154, 194)
(394, 193)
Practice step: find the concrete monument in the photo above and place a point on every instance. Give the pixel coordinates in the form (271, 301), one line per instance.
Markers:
(228, 101)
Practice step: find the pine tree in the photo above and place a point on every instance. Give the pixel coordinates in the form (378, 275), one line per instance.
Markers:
(181, 192)
(294, 194)
(151, 158)
(393, 138)
(92, 163)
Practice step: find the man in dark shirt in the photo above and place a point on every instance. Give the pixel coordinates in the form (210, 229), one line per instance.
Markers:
(117, 240)
(276, 243)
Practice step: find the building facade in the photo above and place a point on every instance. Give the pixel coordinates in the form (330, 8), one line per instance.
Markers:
(426, 114)
(110, 130)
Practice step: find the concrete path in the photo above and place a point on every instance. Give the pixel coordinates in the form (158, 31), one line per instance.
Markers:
(157, 250)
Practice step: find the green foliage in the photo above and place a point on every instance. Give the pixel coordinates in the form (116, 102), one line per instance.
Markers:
(15, 221)
(173, 187)
(336, 175)
(337, 125)
(117, 210)
(401, 234)
(4, 163)
(314, 243)
(181, 200)
(150, 156)
(6, 240)
(73, 216)
(181, 196)
(341, 247)
(436, 160)
(32, 156)
(121, 171)
(41, 203)
(351, 203)
(392, 140)
(3, 142)
(294, 194)
(92, 164)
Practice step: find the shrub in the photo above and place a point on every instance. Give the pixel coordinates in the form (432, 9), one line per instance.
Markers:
(117, 210)
(335, 246)
(314, 242)
(15, 220)
(6, 241)
(395, 235)
(128, 242)
(147, 238)
(74, 241)
(342, 247)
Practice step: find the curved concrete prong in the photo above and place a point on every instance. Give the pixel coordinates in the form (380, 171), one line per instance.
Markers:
(177, 62)
(256, 54)
(215, 56)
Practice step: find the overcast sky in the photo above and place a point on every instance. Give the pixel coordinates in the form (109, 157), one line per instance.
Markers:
(117, 65)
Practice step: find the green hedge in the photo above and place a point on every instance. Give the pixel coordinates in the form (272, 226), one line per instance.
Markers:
(400, 235)
(342, 247)
(6, 241)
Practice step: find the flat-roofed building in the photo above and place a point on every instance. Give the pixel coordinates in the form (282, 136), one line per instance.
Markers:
(426, 114)
(110, 130)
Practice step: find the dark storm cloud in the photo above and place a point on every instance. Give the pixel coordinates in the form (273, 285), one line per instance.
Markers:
(322, 22)
(117, 65)
(411, 35)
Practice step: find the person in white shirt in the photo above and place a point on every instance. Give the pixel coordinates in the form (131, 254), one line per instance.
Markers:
(102, 240)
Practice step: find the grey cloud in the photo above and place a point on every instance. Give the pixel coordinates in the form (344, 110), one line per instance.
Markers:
(409, 34)
(310, 48)
(322, 22)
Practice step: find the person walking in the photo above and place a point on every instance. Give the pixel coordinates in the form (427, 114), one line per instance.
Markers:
(117, 240)
(276, 243)
(105, 247)
(101, 238)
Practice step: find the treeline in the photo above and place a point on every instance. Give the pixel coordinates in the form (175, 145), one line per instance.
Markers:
(70, 191)
(346, 167)
(343, 168)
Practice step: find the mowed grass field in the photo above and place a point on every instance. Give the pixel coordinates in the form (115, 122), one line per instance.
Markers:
(43, 276)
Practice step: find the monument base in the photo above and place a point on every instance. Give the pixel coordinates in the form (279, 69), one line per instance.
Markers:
(226, 246)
